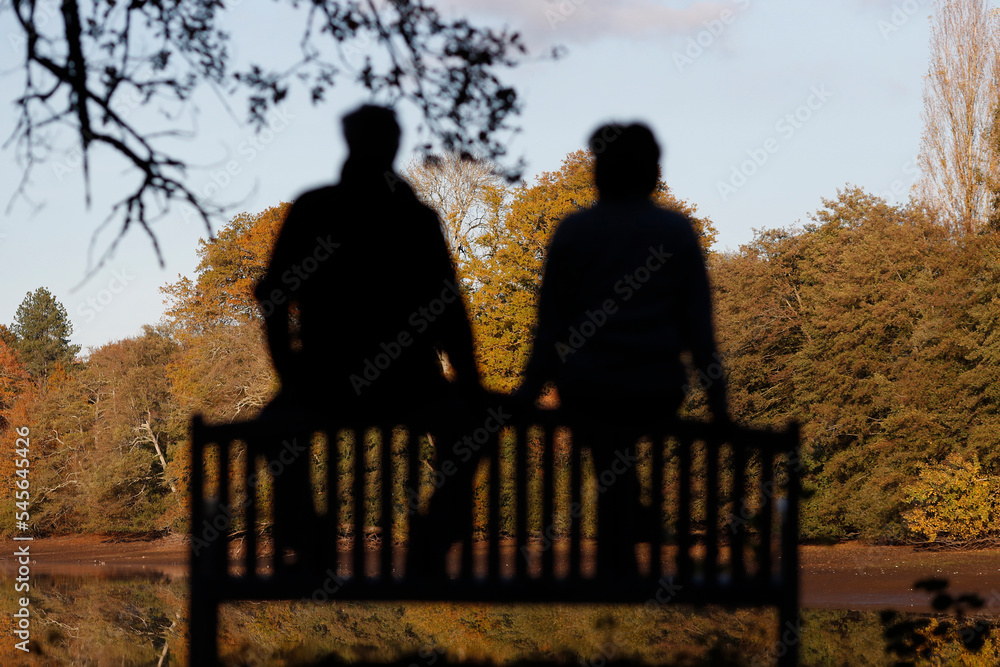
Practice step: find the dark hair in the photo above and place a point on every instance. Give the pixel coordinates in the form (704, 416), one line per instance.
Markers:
(626, 160)
(372, 133)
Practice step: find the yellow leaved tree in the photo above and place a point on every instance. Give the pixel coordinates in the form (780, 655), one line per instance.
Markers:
(505, 270)
(952, 501)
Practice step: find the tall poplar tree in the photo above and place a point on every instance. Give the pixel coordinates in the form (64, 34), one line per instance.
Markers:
(958, 155)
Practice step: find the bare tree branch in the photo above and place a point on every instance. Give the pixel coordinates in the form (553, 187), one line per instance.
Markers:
(106, 58)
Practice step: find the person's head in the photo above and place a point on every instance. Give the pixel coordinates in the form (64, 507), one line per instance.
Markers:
(372, 135)
(626, 160)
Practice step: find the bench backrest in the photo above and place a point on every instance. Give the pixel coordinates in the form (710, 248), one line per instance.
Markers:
(721, 525)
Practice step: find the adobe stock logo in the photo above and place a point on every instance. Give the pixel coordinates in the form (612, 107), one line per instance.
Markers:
(902, 14)
(627, 286)
(785, 128)
(98, 302)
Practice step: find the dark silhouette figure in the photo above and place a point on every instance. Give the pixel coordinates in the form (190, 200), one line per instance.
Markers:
(625, 292)
(359, 300)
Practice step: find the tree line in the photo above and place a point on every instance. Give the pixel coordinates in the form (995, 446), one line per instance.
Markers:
(873, 324)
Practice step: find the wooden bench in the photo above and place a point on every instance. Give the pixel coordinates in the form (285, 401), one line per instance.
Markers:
(726, 529)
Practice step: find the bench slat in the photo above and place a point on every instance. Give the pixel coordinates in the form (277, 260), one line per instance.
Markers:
(766, 516)
(575, 510)
(413, 498)
(737, 524)
(712, 511)
(656, 530)
(493, 529)
(250, 542)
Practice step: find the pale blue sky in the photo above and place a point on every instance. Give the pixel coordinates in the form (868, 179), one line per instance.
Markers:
(851, 70)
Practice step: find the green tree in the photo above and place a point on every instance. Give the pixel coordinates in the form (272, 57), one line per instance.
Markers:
(133, 474)
(42, 331)
(876, 329)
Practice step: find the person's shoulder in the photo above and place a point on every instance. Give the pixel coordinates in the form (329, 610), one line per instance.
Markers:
(670, 216)
(675, 223)
(416, 212)
(576, 223)
(309, 203)
(316, 196)
(581, 218)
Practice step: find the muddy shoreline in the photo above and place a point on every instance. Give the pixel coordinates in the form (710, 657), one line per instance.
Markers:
(844, 576)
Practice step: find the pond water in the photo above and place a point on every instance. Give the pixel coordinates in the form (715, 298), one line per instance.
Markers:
(134, 612)
(141, 619)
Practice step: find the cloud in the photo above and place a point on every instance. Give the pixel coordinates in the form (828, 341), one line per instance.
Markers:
(547, 22)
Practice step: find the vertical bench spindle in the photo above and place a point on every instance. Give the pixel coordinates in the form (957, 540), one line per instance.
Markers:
(493, 530)
(250, 543)
(712, 511)
(358, 546)
(737, 526)
(548, 505)
(522, 457)
(657, 500)
(684, 563)
(766, 513)
(575, 510)
(387, 508)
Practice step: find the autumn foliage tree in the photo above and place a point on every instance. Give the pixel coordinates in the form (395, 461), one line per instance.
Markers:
(876, 330)
(14, 380)
(223, 368)
(133, 409)
(505, 272)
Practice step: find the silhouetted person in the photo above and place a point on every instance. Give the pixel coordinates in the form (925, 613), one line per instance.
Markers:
(359, 299)
(625, 292)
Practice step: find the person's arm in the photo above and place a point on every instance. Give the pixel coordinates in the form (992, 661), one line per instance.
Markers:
(454, 334)
(697, 328)
(541, 366)
(274, 300)
(459, 343)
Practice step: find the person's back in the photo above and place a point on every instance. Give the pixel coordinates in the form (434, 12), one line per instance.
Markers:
(360, 326)
(368, 269)
(623, 281)
(359, 298)
(625, 292)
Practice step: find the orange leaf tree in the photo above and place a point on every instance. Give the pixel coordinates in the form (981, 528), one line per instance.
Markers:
(506, 272)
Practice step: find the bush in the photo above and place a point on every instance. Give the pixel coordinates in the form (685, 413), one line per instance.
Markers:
(951, 501)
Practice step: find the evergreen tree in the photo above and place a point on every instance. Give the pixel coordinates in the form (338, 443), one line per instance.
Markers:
(42, 330)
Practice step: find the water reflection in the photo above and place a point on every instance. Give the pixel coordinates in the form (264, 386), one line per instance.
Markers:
(125, 616)
(110, 617)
